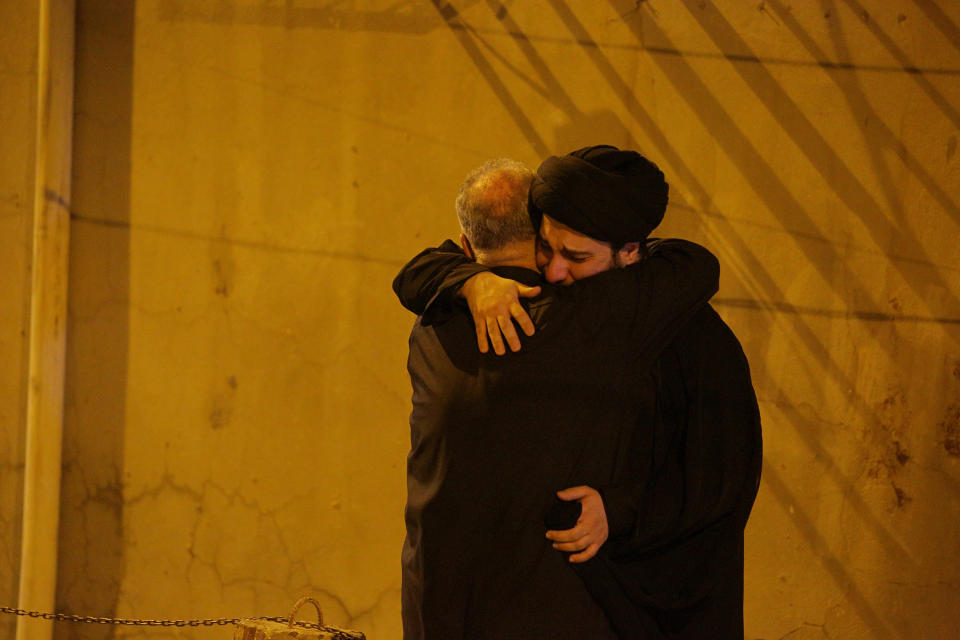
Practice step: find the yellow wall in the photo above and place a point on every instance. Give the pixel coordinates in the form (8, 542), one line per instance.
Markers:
(249, 175)
(18, 87)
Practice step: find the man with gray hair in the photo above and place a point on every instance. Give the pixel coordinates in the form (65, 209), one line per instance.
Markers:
(663, 543)
(493, 439)
(490, 214)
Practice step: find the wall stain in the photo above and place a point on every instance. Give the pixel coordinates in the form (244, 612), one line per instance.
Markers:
(951, 147)
(888, 455)
(902, 497)
(762, 8)
(951, 429)
(222, 410)
(900, 454)
(52, 196)
(219, 417)
(222, 278)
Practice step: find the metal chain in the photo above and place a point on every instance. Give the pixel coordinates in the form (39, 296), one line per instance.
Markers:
(339, 634)
(67, 617)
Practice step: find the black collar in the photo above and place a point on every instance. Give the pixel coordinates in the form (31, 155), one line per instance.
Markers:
(522, 275)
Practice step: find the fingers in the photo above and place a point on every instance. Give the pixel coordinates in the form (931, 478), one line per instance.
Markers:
(575, 493)
(494, 302)
(590, 532)
(578, 545)
(569, 535)
(499, 328)
(520, 315)
(493, 331)
(509, 333)
(527, 292)
(586, 554)
(481, 328)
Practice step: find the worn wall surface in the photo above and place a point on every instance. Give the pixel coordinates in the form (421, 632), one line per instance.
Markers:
(18, 89)
(249, 175)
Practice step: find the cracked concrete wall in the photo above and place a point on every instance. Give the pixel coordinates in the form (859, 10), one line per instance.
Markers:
(18, 86)
(249, 176)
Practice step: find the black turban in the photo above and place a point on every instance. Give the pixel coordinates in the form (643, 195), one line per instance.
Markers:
(612, 195)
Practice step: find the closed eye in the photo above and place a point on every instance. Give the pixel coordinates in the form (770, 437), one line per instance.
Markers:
(575, 256)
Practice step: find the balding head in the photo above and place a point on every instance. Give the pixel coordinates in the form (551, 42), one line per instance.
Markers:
(492, 205)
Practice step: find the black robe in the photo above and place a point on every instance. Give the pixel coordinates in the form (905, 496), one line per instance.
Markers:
(494, 437)
(678, 505)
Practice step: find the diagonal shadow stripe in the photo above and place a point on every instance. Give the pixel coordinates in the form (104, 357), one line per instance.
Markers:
(754, 274)
(847, 83)
(816, 348)
(818, 151)
(850, 86)
(766, 183)
(413, 17)
(734, 57)
(555, 91)
(873, 524)
(945, 106)
(941, 21)
(811, 237)
(540, 90)
(452, 18)
(805, 525)
(557, 96)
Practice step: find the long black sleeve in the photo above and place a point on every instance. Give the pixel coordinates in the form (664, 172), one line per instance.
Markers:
(434, 274)
(706, 439)
(648, 302)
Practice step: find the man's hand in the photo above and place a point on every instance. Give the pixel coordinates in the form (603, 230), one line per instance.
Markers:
(591, 530)
(493, 301)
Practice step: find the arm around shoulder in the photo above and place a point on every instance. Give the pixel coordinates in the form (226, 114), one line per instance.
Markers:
(433, 273)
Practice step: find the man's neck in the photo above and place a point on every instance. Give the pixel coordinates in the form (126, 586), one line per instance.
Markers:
(508, 258)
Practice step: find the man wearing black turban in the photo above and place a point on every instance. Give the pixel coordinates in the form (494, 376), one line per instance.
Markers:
(666, 541)
(602, 192)
(492, 439)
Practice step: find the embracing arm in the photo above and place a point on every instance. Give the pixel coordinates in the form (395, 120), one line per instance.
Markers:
(645, 304)
(433, 274)
(437, 276)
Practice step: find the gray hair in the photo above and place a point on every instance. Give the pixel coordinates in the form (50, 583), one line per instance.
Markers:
(492, 204)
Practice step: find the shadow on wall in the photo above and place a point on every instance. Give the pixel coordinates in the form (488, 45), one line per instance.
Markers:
(779, 200)
(91, 553)
(819, 251)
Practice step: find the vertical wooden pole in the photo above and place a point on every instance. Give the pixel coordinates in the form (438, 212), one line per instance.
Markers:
(48, 315)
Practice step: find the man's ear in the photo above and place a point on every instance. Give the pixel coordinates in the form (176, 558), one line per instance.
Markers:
(467, 249)
(628, 254)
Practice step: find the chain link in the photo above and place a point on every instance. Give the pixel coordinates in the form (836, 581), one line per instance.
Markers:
(338, 634)
(67, 617)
